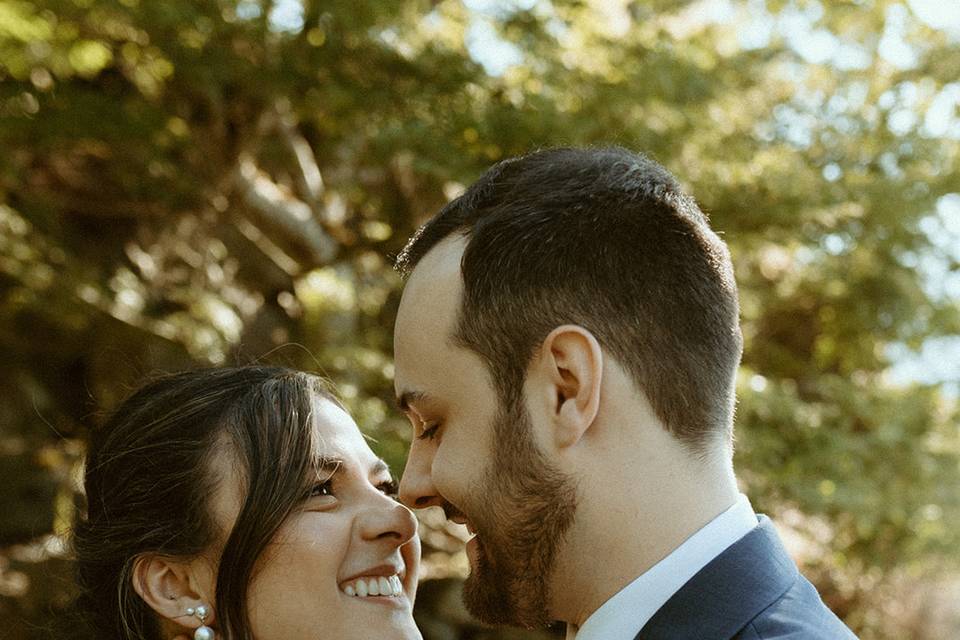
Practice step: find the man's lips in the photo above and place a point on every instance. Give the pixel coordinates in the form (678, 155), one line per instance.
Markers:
(459, 518)
(472, 546)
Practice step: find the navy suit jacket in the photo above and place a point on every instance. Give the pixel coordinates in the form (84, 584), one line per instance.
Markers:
(751, 591)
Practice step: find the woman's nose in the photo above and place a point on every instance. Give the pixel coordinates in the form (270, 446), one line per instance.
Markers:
(388, 521)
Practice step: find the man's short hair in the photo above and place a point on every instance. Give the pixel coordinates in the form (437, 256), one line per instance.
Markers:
(603, 238)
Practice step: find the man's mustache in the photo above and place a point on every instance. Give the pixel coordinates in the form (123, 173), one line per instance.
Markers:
(450, 511)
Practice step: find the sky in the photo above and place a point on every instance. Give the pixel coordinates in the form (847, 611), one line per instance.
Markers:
(796, 25)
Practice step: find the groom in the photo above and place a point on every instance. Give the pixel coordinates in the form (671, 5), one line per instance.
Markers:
(566, 348)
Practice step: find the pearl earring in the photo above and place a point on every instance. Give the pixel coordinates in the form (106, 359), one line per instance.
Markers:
(203, 632)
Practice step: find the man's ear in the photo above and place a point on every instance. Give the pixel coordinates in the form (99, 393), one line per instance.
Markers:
(171, 586)
(573, 361)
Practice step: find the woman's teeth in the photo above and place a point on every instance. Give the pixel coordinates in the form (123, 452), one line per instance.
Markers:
(381, 586)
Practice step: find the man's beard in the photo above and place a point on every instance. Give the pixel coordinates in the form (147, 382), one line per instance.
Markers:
(521, 514)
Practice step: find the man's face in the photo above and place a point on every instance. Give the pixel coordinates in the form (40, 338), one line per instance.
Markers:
(474, 457)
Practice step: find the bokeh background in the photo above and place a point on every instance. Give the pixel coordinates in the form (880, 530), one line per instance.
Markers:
(201, 182)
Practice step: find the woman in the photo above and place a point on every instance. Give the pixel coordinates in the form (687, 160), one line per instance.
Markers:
(242, 504)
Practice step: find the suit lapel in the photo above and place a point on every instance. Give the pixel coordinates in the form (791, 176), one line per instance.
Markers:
(729, 592)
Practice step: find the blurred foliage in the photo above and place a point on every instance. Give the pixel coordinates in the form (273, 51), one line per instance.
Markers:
(199, 182)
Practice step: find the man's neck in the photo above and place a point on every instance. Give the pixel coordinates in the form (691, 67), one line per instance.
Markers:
(625, 525)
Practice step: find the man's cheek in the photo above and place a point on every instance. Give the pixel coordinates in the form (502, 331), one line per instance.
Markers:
(440, 473)
(450, 475)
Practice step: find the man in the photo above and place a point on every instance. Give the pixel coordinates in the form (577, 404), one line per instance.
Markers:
(566, 347)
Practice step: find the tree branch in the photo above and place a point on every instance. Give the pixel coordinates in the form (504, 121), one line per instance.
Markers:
(283, 212)
(309, 179)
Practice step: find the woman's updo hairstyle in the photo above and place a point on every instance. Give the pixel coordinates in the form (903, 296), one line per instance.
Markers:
(148, 487)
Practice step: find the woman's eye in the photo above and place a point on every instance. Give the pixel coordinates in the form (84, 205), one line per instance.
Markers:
(429, 431)
(324, 488)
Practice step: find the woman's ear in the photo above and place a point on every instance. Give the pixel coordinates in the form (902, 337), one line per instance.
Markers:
(174, 589)
(574, 365)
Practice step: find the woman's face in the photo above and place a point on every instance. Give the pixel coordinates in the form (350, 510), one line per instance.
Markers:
(347, 542)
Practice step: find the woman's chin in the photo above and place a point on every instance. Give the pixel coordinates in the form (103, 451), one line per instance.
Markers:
(380, 618)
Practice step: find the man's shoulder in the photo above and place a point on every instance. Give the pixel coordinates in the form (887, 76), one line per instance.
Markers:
(751, 591)
(798, 614)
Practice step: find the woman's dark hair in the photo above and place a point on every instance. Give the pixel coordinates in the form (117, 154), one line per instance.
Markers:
(149, 482)
(604, 238)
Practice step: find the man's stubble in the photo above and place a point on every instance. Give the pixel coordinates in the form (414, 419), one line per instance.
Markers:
(521, 514)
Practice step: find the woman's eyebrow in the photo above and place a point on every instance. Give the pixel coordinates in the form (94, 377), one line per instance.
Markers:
(328, 464)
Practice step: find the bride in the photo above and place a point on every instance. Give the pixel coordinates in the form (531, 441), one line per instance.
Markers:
(242, 504)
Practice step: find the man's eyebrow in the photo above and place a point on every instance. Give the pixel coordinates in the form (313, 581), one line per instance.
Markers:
(405, 399)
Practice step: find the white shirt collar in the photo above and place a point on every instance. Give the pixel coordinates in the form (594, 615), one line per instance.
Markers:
(623, 615)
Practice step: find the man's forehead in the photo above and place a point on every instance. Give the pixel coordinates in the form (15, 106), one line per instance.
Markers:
(428, 312)
(431, 297)
(439, 269)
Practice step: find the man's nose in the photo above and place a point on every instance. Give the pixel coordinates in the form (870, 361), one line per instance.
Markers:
(416, 485)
